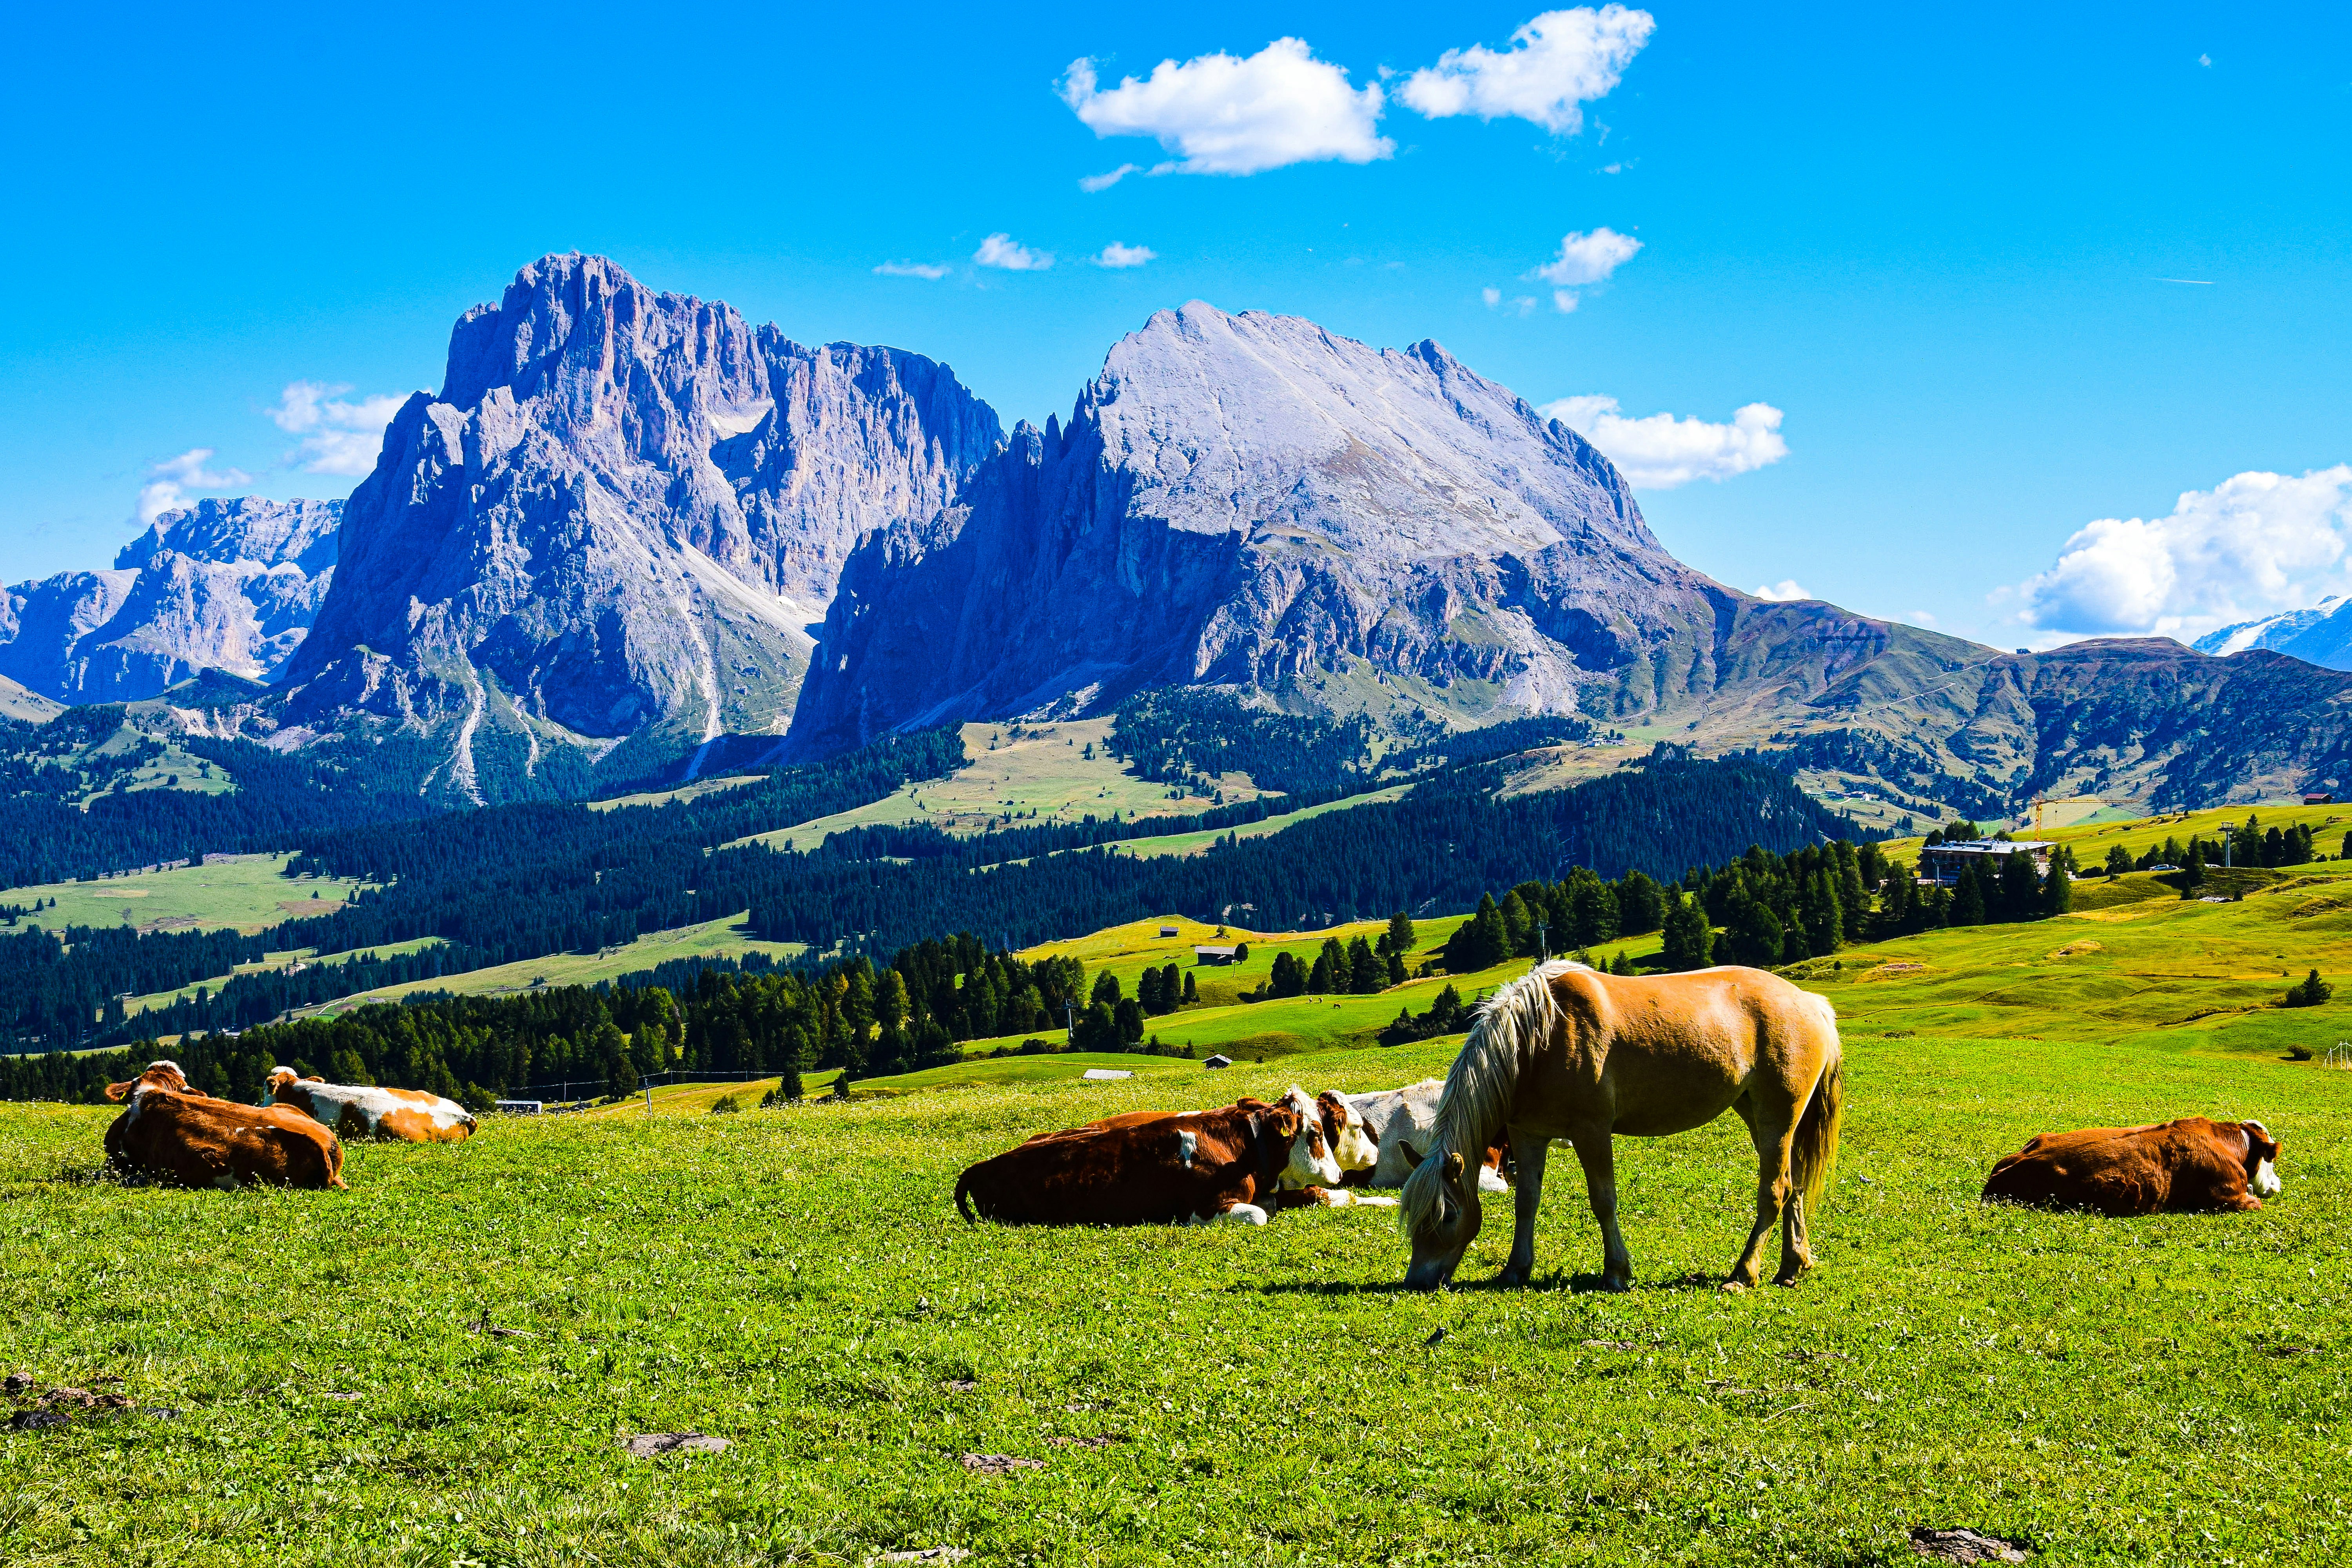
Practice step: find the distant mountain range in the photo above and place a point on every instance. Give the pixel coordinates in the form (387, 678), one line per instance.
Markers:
(222, 584)
(633, 533)
(2321, 635)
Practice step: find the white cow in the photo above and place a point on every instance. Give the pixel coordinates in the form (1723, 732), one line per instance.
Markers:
(353, 1110)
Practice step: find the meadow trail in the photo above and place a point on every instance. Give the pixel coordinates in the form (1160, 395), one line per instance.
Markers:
(443, 1363)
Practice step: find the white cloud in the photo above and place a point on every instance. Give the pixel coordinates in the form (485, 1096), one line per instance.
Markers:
(1659, 451)
(1556, 62)
(2205, 60)
(1585, 259)
(1518, 305)
(1589, 257)
(934, 270)
(1001, 250)
(168, 480)
(1233, 116)
(1116, 255)
(1782, 592)
(1105, 182)
(2253, 546)
(338, 436)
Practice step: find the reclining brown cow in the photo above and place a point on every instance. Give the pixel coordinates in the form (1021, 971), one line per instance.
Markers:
(1199, 1166)
(2188, 1166)
(180, 1134)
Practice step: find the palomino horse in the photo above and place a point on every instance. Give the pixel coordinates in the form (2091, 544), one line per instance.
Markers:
(1567, 1052)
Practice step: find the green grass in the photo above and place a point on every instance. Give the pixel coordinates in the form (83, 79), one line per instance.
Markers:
(694, 791)
(2169, 1390)
(1223, 1022)
(1015, 770)
(302, 955)
(2159, 970)
(727, 938)
(2093, 836)
(241, 890)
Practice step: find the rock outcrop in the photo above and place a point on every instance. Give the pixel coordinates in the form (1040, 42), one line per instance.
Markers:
(1255, 502)
(221, 585)
(604, 540)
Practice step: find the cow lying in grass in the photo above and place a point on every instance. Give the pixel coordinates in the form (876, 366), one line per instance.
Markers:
(1378, 1138)
(2188, 1166)
(178, 1134)
(1151, 1168)
(356, 1111)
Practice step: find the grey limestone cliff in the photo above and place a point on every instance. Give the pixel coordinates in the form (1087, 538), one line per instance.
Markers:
(1255, 502)
(604, 540)
(221, 585)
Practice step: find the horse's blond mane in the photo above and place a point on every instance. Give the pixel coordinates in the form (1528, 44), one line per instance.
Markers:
(1507, 1028)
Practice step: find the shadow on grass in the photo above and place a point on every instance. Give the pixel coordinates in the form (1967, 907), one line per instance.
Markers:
(1572, 1284)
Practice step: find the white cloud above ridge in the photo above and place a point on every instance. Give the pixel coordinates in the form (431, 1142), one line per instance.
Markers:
(169, 480)
(1555, 63)
(1006, 254)
(1589, 257)
(1117, 256)
(1783, 592)
(1224, 114)
(2255, 545)
(932, 271)
(1660, 452)
(339, 438)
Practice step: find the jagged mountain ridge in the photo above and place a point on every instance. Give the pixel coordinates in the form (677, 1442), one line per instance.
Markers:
(2321, 635)
(1253, 502)
(227, 585)
(602, 542)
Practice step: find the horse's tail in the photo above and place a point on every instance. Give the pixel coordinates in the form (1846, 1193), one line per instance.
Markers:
(963, 1198)
(1812, 1153)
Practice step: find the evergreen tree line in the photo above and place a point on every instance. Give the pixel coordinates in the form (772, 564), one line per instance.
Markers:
(1359, 968)
(1436, 848)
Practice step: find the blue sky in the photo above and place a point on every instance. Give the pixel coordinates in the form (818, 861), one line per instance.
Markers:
(1934, 244)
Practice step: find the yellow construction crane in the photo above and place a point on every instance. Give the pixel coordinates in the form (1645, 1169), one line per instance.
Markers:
(2037, 816)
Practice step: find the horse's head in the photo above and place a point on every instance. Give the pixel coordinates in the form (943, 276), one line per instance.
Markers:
(1441, 1215)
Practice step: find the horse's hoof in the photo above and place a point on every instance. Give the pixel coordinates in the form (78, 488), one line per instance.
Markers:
(1787, 1278)
(1734, 1286)
(1617, 1284)
(1513, 1278)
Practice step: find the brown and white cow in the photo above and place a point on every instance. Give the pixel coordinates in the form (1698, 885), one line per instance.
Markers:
(1355, 1151)
(2188, 1166)
(360, 1111)
(170, 1131)
(1402, 1126)
(1193, 1166)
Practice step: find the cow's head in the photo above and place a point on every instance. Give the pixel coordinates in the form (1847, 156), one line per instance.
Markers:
(279, 1079)
(1352, 1144)
(2262, 1159)
(1440, 1214)
(1309, 1161)
(164, 1076)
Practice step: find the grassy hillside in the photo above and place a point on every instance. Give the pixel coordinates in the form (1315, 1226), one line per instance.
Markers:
(796, 1282)
(2093, 836)
(711, 939)
(244, 892)
(1016, 771)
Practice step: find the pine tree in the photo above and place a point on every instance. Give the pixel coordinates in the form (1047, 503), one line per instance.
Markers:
(1823, 921)
(1518, 925)
(2310, 993)
(2020, 890)
(2057, 890)
(1969, 898)
(1640, 905)
(1755, 936)
(1689, 941)
(1366, 973)
(1191, 988)
(1399, 938)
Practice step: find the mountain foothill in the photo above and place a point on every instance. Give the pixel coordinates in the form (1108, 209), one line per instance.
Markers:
(633, 537)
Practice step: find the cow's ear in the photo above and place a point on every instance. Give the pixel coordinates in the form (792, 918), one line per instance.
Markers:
(119, 1091)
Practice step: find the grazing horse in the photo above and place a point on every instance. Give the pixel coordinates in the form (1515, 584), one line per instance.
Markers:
(1567, 1052)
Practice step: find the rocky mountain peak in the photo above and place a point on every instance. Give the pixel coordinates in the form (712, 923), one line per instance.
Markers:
(300, 533)
(603, 541)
